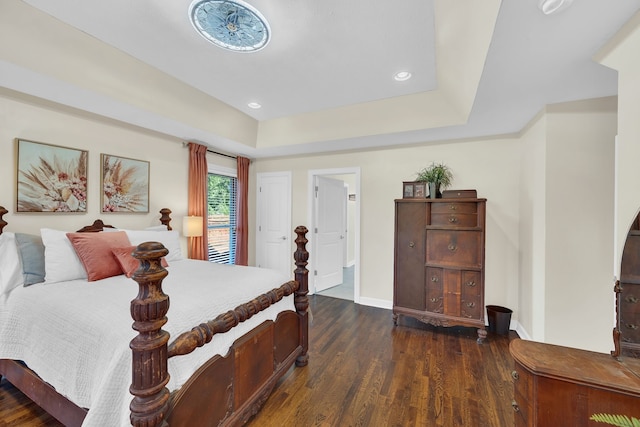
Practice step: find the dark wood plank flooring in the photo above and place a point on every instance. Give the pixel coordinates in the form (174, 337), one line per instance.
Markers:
(363, 371)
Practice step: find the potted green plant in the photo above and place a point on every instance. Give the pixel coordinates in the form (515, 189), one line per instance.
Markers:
(438, 176)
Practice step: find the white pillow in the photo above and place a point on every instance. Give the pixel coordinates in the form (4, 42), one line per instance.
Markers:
(170, 240)
(157, 228)
(10, 269)
(61, 263)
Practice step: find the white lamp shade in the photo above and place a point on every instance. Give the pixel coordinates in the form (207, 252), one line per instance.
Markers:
(192, 226)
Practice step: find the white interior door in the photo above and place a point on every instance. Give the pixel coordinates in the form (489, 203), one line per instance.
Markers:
(273, 222)
(329, 232)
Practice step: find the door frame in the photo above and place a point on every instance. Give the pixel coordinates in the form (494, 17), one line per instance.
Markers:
(312, 173)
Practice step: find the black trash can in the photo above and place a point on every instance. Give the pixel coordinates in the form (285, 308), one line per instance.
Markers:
(499, 319)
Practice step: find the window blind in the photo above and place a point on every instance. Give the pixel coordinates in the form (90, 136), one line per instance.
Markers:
(221, 220)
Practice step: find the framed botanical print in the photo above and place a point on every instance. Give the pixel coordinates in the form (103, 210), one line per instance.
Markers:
(50, 178)
(420, 190)
(124, 184)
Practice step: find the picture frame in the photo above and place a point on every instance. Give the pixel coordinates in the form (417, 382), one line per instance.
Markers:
(124, 184)
(414, 190)
(50, 178)
(407, 190)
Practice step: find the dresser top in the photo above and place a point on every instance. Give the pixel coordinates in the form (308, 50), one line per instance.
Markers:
(442, 200)
(578, 366)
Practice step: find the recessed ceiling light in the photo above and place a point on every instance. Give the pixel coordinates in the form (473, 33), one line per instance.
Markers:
(230, 24)
(553, 6)
(402, 76)
(254, 105)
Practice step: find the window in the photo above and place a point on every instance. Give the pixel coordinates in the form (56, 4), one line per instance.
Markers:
(221, 220)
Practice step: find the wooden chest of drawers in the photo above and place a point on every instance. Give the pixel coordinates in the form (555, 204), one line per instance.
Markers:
(561, 386)
(439, 261)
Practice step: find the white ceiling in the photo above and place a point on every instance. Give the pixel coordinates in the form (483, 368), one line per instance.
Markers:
(325, 79)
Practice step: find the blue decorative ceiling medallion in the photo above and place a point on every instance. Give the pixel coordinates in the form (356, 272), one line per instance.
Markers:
(230, 24)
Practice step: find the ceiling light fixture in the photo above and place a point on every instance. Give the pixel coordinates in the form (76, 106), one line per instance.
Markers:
(401, 76)
(553, 6)
(230, 24)
(254, 105)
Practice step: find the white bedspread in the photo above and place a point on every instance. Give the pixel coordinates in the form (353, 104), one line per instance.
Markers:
(76, 334)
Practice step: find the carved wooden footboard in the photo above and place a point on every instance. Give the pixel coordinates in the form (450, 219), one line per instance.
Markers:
(225, 391)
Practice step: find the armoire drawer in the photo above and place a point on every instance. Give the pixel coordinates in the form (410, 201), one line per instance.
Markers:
(630, 327)
(454, 248)
(454, 207)
(471, 299)
(435, 290)
(454, 219)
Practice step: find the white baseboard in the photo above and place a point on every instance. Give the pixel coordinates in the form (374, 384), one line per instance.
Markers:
(375, 302)
(522, 332)
(514, 325)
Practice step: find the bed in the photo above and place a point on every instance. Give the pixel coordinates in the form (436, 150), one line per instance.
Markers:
(212, 360)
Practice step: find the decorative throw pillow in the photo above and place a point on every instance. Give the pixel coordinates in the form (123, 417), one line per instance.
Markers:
(94, 251)
(31, 252)
(127, 262)
(10, 271)
(60, 260)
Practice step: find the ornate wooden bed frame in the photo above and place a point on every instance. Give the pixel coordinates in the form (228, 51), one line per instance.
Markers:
(225, 391)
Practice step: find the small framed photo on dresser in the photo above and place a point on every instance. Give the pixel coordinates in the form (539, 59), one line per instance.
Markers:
(414, 190)
(407, 190)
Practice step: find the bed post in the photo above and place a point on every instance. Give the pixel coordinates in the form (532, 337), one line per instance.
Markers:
(148, 310)
(165, 218)
(3, 211)
(301, 300)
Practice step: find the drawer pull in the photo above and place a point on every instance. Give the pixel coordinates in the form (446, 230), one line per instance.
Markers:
(453, 219)
(631, 326)
(452, 247)
(411, 244)
(471, 284)
(452, 207)
(434, 299)
(434, 278)
(632, 299)
(471, 304)
(515, 375)
(515, 406)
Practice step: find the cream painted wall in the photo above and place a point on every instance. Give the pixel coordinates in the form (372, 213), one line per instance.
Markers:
(491, 166)
(621, 54)
(27, 118)
(532, 225)
(580, 147)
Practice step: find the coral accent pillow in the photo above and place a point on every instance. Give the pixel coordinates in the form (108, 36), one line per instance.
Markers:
(94, 251)
(127, 262)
